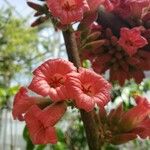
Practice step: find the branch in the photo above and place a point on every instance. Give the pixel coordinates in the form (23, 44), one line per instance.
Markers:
(88, 119)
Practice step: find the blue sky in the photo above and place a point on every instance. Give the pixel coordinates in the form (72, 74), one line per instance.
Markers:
(19, 5)
(21, 9)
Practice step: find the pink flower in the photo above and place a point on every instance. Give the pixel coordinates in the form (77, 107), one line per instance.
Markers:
(111, 4)
(91, 15)
(128, 8)
(136, 120)
(137, 6)
(143, 130)
(88, 88)
(136, 115)
(40, 123)
(68, 11)
(131, 40)
(22, 103)
(110, 56)
(121, 126)
(130, 67)
(49, 79)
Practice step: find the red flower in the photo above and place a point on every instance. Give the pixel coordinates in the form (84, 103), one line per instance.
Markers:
(143, 128)
(136, 115)
(22, 103)
(68, 11)
(111, 4)
(121, 126)
(129, 8)
(137, 6)
(88, 88)
(110, 56)
(40, 123)
(131, 40)
(50, 78)
(123, 69)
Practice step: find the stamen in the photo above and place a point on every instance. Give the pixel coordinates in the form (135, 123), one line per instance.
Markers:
(68, 4)
(56, 81)
(129, 43)
(87, 89)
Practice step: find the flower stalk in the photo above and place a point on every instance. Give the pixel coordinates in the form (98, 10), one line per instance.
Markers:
(88, 118)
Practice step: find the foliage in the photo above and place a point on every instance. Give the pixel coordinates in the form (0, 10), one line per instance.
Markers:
(18, 45)
(20, 49)
(6, 93)
(130, 89)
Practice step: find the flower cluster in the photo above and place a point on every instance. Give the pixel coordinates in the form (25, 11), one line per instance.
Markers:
(70, 11)
(121, 126)
(40, 120)
(57, 81)
(118, 42)
(65, 12)
(121, 57)
(121, 41)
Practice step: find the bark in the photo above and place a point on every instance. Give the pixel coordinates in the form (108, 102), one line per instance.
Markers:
(90, 124)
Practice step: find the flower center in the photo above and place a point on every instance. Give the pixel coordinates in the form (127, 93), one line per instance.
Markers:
(68, 4)
(128, 42)
(87, 89)
(56, 81)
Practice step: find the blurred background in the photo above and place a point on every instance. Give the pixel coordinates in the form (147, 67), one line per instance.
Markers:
(23, 48)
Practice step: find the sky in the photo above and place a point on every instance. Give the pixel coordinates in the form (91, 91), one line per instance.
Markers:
(19, 5)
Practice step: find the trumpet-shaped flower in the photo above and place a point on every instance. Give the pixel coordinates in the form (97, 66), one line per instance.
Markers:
(135, 116)
(40, 123)
(49, 79)
(135, 121)
(124, 126)
(88, 88)
(22, 103)
(68, 11)
(131, 40)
